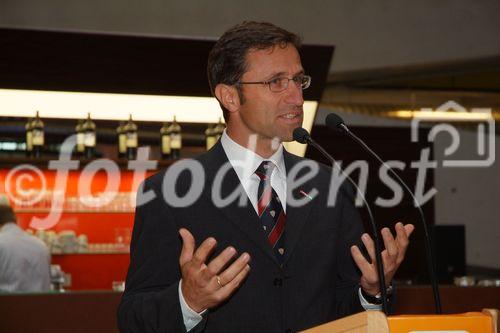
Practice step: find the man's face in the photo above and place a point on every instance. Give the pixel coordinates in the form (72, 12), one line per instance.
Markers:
(265, 113)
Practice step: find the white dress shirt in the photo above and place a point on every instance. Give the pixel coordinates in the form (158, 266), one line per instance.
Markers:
(24, 261)
(244, 163)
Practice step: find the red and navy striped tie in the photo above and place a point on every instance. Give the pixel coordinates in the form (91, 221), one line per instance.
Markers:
(271, 214)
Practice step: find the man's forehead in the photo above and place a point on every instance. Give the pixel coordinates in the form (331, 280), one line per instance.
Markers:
(274, 60)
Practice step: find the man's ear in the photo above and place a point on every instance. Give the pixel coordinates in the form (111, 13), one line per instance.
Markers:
(228, 96)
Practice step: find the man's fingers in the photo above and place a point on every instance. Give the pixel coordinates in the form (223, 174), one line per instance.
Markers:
(201, 254)
(389, 243)
(400, 231)
(403, 233)
(404, 230)
(234, 284)
(360, 260)
(370, 246)
(387, 261)
(188, 245)
(409, 228)
(236, 267)
(218, 263)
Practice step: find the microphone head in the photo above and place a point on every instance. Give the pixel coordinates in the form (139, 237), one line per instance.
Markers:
(301, 135)
(334, 122)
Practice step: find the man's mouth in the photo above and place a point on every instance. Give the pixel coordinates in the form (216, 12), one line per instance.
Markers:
(291, 116)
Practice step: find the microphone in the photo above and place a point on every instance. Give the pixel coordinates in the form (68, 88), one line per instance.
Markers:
(336, 123)
(301, 135)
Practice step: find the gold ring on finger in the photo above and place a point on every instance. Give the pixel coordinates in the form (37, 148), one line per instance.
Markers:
(218, 281)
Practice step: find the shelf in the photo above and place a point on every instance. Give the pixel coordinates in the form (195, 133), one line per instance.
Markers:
(91, 253)
(97, 248)
(48, 210)
(43, 162)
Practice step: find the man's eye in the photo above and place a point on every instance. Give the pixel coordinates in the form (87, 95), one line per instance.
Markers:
(298, 79)
(277, 81)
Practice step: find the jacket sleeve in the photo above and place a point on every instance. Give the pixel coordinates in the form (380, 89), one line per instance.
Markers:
(150, 302)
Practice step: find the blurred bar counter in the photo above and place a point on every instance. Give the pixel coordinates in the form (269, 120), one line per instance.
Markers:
(96, 311)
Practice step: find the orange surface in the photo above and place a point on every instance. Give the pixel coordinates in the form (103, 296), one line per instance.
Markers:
(472, 322)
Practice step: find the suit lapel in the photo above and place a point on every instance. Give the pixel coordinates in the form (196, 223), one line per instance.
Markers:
(240, 212)
(296, 216)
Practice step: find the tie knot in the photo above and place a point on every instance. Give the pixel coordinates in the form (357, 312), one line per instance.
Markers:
(265, 170)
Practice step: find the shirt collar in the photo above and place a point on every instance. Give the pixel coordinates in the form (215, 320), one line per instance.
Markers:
(245, 161)
(9, 227)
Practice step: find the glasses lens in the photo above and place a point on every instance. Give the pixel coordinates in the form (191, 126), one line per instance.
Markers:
(306, 81)
(281, 83)
(278, 84)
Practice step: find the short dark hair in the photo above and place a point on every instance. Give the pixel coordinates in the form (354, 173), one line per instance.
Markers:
(6, 214)
(227, 59)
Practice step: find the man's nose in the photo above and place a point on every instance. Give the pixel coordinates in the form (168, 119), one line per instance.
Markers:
(294, 94)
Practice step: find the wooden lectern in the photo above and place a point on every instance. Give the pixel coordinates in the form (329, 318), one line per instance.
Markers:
(377, 322)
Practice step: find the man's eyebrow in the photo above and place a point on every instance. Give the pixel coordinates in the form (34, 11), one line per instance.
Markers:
(275, 75)
(278, 74)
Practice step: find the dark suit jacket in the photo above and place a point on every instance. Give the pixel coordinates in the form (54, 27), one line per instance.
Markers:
(317, 283)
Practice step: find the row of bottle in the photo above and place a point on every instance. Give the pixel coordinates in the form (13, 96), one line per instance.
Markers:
(85, 137)
(35, 138)
(170, 138)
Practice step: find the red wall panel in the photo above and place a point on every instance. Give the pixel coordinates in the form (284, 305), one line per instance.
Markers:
(88, 271)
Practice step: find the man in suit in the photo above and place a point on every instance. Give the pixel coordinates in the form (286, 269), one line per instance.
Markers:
(247, 240)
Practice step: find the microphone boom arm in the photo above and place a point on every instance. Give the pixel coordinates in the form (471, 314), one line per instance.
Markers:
(378, 256)
(428, 243)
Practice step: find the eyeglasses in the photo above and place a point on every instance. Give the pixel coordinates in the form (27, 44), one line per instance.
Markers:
(280, 84)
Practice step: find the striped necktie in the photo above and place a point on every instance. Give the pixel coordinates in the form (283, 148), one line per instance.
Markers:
(271, 213)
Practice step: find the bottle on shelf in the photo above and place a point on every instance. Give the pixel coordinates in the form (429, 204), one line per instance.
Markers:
(89, 133)
(210, 136)
(165, 141)
(131, 139)
(122, 140)
(175, 140)
(219, 129)
(38, 136)
(80, 138)
(29, 137)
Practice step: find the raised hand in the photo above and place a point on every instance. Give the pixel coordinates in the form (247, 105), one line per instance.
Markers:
(204, 286)
(392, 256)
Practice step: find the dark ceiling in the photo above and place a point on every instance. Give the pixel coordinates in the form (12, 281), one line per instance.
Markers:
(478, 75)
